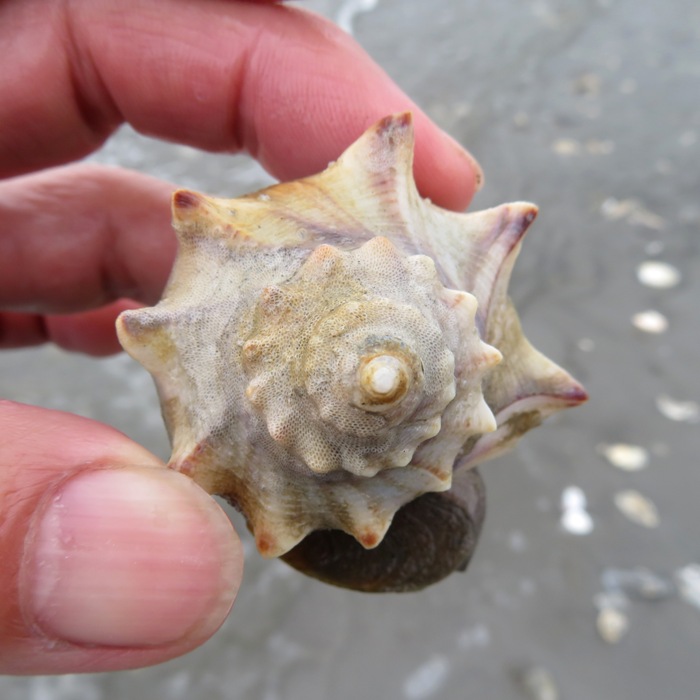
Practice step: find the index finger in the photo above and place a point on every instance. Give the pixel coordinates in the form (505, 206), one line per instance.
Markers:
(278, 82)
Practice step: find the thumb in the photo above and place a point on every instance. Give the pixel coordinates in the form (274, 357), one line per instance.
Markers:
(110, 561)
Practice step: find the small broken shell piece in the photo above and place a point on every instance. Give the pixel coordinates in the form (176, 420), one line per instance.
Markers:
(538, 683)
(650, 321)
(629, 458)
(612, 624)
(658, 274)
(678, 410)
(688, 581)
(637, 508)
(575, 517)
(330, 350)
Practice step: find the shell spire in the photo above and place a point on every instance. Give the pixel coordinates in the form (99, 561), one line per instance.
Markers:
(328, 351)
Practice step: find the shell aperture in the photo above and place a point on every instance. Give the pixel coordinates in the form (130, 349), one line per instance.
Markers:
(329, 350)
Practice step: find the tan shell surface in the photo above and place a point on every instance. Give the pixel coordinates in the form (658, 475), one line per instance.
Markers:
(328, 350)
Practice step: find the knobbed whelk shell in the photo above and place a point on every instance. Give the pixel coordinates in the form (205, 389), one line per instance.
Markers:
(329, 350)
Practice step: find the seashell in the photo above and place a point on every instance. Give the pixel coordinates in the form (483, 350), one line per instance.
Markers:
(538, 683)
(612, 624)
(336, 353)
(639, 509)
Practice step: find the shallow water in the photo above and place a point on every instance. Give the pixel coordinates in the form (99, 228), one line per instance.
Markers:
(589, 108)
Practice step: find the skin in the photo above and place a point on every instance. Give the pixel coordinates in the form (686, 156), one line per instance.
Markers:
(79, 243)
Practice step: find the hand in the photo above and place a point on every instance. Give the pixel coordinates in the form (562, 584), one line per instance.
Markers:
(111, 561)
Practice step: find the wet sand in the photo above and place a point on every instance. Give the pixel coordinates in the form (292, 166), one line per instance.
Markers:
(590, 109)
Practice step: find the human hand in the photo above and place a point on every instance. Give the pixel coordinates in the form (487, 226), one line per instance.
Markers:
(111, 561)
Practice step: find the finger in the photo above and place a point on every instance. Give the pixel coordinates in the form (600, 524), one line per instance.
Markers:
(282, 84)
(91, 332)
(80, 237)
(110, 561)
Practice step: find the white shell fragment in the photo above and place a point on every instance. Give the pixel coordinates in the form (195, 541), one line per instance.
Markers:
(330, 349)
(566, 147)
(612, 624)
(539, 684)
(427, 679)
(688, 580)
(633, 212)
(349, 10)
(637, 508)
(575, 519)
(678, 410)
(650, 322)
(629, 458)
(657, 274)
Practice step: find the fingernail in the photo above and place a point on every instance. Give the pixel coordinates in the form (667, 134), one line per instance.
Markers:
(132, 557)
(478, 172)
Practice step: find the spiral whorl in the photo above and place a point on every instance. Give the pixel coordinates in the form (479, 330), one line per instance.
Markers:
(351, 369)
